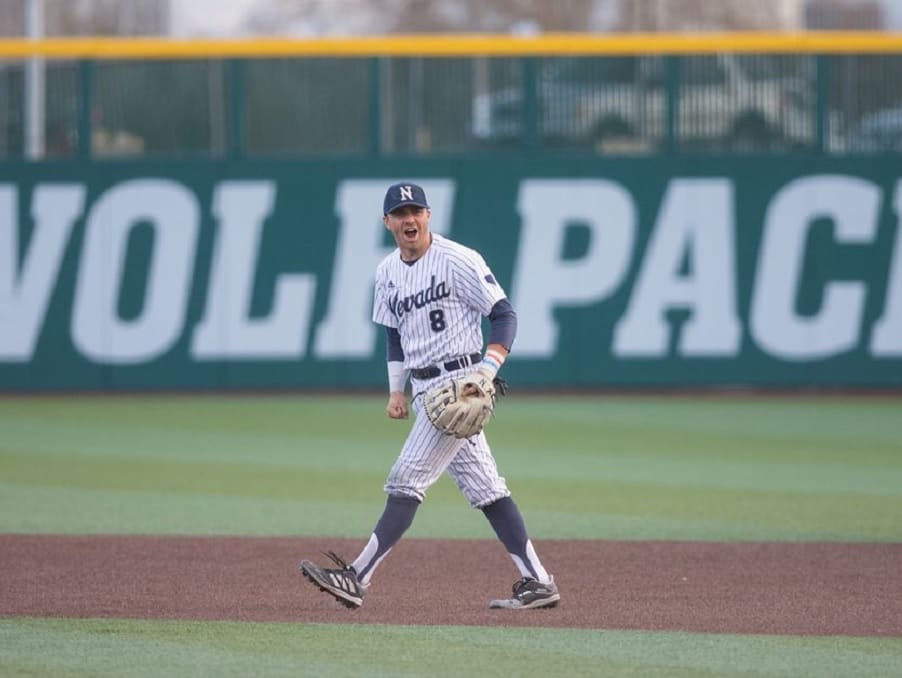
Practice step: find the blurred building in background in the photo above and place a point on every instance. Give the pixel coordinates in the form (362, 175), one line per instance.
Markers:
(308, 18)
(350, 17)
(90, 17)
(844, 15)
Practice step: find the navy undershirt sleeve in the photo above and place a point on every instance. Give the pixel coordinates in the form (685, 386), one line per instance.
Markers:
(393, 350)
(504, 324)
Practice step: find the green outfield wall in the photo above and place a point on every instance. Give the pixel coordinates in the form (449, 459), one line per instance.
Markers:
(762, 270)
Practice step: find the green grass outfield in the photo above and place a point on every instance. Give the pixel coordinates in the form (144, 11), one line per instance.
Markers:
(708, 468)
(159, 648)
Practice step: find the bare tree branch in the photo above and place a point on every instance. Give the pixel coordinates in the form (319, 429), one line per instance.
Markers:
(368, 17)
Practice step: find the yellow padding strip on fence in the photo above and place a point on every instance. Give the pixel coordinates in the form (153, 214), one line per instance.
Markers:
(458, 45)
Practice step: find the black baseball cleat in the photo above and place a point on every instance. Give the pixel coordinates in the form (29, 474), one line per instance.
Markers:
(529, 593)
(340, 583)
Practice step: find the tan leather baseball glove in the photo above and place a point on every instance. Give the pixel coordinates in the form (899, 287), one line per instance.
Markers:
(462, 406)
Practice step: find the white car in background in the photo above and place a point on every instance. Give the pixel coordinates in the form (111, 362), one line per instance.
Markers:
(878, 132)
(726, 102)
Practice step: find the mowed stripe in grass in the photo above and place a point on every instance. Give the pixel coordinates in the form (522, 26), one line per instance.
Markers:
(588, 467)
(88, 647)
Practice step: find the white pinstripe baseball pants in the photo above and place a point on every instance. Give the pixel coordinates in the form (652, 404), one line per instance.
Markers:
(427, 453)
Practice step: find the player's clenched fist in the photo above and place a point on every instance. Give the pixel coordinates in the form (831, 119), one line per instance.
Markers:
(397, 405)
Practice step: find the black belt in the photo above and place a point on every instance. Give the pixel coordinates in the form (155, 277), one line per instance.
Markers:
(450, 366)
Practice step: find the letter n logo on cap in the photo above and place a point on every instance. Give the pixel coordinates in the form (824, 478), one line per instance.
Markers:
(406, 193)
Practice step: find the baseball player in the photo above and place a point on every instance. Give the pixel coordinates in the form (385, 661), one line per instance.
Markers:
(431, 294)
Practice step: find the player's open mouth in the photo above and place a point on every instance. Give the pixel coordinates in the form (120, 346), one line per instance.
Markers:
(410, 233)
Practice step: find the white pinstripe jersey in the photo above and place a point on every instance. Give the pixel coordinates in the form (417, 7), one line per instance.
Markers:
(436, 303)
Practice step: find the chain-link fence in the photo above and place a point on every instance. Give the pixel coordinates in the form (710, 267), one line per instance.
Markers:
(612, 105)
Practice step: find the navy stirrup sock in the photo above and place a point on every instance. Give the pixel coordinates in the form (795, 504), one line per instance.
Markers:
(396, 518)
(508, 524)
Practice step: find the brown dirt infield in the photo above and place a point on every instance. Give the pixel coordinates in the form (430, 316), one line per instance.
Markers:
(770, 588)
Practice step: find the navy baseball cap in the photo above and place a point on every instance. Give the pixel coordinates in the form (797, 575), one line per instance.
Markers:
(402, 194)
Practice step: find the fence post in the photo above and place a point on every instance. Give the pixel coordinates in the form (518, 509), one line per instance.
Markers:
(375, 121)
(85, 108)
(672, 79)
(237, 122)
(530, 104)
(822, 107)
